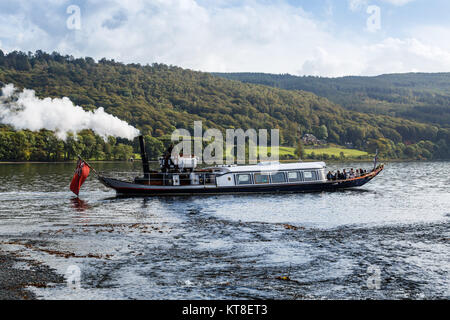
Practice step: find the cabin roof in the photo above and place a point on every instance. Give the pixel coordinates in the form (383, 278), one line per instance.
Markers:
(271, 166)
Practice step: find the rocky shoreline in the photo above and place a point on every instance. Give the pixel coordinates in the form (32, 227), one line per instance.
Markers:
(16, 274)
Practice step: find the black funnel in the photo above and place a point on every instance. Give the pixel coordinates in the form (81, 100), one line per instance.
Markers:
(145, 166)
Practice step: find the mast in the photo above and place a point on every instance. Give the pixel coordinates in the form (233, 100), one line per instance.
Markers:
(375, 159)
(145, 166)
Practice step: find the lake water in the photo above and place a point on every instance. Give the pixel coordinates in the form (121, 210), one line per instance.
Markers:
(389, 239)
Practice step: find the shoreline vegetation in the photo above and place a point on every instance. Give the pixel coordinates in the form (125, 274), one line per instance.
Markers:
(43, 146)
(380, 160)
(317, 156)
(157, 99)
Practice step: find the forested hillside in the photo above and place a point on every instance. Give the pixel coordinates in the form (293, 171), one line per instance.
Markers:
(159, 98)
(423, 97)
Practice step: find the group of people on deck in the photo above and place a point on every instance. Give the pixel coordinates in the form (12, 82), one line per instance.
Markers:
(345, 175)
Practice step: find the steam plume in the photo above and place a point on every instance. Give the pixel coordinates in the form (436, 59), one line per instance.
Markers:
(23, 110)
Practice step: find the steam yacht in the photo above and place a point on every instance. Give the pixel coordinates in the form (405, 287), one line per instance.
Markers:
(180, 176)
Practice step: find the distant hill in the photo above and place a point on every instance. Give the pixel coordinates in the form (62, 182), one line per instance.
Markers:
(158, 98)
(423, 97)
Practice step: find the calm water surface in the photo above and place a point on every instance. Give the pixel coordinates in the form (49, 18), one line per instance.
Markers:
(392, 234)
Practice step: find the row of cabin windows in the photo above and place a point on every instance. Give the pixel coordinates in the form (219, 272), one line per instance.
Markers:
(276, 177)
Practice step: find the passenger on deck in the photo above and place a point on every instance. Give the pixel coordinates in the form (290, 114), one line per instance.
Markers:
(344, 174)
(351, 174)
(167, 158)
(329, 175)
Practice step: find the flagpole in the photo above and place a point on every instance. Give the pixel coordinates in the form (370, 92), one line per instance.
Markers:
(375, 159)
(95, 172)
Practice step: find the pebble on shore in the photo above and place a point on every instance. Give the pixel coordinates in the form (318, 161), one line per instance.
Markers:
(14, 280)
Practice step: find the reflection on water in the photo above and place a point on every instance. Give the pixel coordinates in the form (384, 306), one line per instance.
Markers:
(234, 246)
(79, 205)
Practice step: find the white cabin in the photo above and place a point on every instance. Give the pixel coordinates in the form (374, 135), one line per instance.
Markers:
(270, 173)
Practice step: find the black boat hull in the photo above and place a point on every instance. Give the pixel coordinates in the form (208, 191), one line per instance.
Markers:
(133, 189)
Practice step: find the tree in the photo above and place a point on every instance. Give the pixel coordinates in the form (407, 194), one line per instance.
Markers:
(73, 146)
(122, 152)
(300, 151)
(2, 58)
(97, 151)
(54, 147)
(153, 146)
(21, 146)
(355, 133)
(321, 132)
(157, 99)
(89, 142)
(411, 152)
(392, 134)
(109, 148)
(22, 63)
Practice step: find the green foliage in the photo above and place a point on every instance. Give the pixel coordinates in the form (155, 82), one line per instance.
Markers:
(45, 146)
(122, 152)
(321, 132)
(300, 150)
(154, 147)
(158, 98)
(423, 97)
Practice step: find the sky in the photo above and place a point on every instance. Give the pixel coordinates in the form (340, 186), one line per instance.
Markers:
(300, 37)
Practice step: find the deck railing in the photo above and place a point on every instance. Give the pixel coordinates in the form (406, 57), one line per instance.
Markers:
(165, 179)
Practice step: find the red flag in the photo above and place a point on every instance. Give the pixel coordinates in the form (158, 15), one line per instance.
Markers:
(81, 173)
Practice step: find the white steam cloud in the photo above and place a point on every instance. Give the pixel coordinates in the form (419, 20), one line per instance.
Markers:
(23, 110)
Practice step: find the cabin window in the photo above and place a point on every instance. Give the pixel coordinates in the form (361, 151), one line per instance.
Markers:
(310, 175)
(294, 176)
(210, 179)
(244, 179)
(278, 177)
(261, 178)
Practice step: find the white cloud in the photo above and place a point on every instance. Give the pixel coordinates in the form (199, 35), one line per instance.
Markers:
(356, 5)
(330, 62)
(391, 55)
(251, 36)
(184, 33)
(398, 2)
(432, 34)
(407, 55)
